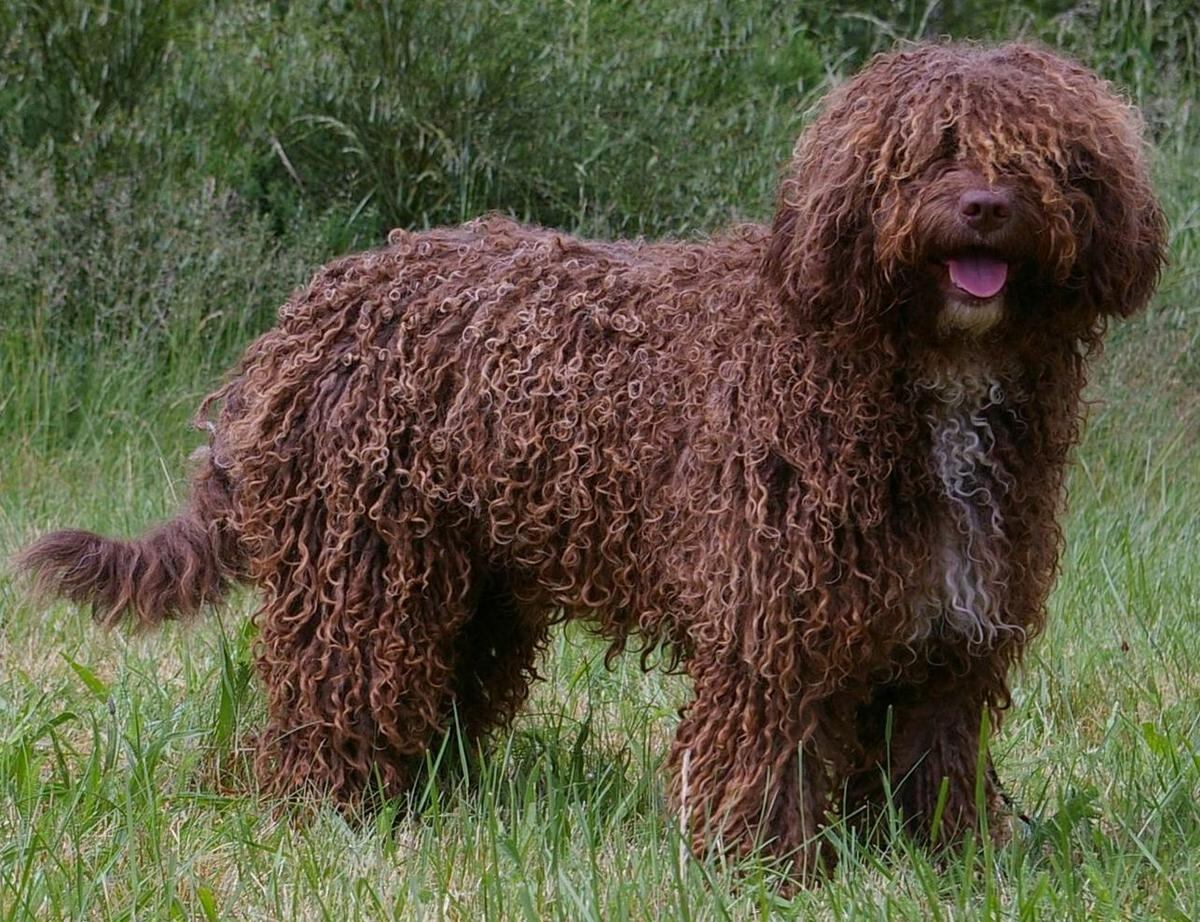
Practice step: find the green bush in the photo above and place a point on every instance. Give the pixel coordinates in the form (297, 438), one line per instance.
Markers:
(113, 297)
(617, 118)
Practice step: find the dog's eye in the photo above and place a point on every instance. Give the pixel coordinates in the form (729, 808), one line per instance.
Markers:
(948, 147)
(1081, 171)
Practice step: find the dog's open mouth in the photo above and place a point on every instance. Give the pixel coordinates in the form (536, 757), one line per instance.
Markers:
(973, 288)
(981, 276)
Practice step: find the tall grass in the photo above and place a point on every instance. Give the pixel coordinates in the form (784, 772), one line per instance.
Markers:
(168, 172)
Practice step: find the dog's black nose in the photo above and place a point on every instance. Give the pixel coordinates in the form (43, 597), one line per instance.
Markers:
(985, 209)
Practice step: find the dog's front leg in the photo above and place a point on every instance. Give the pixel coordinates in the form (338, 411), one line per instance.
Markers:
(746, 770)
(926, 741)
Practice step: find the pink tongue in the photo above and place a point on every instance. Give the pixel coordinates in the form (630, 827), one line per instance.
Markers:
(981, 276)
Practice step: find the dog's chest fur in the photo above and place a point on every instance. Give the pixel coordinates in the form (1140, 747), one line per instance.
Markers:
(962, 594)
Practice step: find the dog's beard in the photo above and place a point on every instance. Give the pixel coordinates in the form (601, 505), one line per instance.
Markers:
(970, 318)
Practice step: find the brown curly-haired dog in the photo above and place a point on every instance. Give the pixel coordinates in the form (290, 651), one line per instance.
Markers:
(820, 462)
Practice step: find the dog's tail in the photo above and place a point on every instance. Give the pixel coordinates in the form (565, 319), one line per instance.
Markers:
(171, 571)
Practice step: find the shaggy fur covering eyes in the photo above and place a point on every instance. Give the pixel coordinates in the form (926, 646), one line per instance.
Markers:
(819, 462)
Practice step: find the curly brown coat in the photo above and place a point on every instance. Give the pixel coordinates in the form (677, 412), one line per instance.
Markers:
(821, 462)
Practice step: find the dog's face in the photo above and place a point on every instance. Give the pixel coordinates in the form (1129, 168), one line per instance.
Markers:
(965, 193)
(976, 241)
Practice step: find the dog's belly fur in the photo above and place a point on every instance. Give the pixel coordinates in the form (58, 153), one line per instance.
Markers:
(966, 579)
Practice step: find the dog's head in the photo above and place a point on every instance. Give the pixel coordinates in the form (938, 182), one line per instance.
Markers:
(959, 192)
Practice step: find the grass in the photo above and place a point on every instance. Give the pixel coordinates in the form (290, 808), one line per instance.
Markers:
(158, 209)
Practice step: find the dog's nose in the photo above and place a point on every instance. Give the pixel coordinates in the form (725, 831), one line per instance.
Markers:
(985, 209)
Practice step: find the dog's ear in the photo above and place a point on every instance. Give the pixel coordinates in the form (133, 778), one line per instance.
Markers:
(1121, 227)
(824, 256)
(821, 255)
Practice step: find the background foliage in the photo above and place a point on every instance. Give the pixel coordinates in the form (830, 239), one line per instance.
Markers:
(170, 171)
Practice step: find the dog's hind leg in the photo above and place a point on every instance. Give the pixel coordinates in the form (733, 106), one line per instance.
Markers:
(358, 652)
(497, 655)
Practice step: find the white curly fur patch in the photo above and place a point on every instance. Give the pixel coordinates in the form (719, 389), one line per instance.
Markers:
(963, 592)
